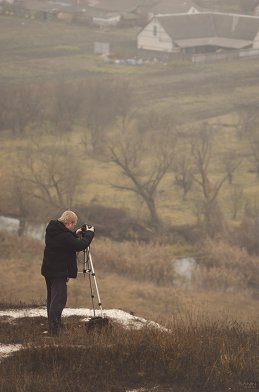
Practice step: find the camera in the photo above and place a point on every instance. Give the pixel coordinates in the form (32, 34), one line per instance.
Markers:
(85, 227)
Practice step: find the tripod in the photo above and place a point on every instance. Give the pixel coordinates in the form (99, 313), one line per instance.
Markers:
(88, 268)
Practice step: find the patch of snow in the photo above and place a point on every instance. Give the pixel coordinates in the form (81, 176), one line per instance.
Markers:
(8, 349)
(143, 390)
(126, 319)
(137, 390)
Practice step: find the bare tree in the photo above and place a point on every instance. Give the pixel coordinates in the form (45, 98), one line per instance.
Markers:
(184, 171)
(236, 200)
(16, 196)
(44, 178)
(231, 162)
(248, 128)
(53, 174)
(143, 164)
(202, 152)
(165, 121)
(249, 227)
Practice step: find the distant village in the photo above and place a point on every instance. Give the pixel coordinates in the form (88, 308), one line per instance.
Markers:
(167, 26)
(98, 12)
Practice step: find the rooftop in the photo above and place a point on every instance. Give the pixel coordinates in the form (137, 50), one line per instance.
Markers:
(218, 29)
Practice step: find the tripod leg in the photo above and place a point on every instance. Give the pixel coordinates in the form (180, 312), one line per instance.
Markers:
(92, 294)
(95, 282)
(87, 269)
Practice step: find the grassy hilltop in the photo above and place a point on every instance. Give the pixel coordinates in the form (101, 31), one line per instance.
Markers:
(189, 357)
(211, 337)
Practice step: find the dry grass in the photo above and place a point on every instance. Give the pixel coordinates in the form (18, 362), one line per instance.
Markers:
(227, 267)
(139, 278)
(211, 345)
(216, 356)
(142, 262)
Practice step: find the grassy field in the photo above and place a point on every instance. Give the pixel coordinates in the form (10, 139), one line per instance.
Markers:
(38, 52)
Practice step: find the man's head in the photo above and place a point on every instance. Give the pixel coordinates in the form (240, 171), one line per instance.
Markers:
(69, 219)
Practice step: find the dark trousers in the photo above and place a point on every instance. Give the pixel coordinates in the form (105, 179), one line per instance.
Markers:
(56, 301)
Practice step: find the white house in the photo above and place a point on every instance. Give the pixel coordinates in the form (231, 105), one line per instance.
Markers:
(201, 32)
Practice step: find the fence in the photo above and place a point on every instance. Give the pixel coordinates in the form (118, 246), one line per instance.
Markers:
(213, 57)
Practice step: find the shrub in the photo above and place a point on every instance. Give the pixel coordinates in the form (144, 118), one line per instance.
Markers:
(139, 261)
(226, 266)
(246, 235)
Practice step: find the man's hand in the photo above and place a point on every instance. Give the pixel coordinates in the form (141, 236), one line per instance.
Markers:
(81, 232)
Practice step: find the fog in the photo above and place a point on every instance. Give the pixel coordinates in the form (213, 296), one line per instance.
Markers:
(123, 97)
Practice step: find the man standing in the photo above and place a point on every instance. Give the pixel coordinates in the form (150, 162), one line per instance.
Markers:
(59, 262)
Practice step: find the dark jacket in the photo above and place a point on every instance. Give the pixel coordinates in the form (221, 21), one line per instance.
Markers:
(61, 245)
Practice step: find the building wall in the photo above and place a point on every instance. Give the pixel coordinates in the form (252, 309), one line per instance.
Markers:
(154, 37)
(224, 56)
